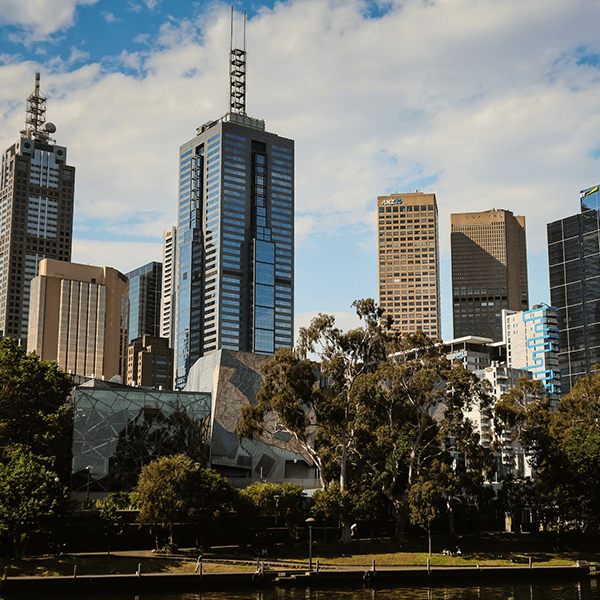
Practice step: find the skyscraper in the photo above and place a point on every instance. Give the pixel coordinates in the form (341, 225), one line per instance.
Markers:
(574, 261)
(409, 276)
(235, 235)
(144, 300)
(532, 343)
(79, 318)
(489, 270)
(167, 304)
(36, 212)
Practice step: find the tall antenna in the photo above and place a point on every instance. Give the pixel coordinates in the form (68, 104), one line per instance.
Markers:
(237, 74)
(35, 116)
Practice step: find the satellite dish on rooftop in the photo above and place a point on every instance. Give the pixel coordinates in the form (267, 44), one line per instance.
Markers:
(50, 127)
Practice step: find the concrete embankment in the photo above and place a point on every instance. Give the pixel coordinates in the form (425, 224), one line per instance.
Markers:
(356, 577)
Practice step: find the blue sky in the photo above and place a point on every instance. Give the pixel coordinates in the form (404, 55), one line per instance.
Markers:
(487, 103)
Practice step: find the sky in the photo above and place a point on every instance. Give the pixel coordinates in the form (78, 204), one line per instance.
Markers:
(486, 103)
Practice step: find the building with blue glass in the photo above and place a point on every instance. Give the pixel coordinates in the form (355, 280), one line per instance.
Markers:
(532, 343)
(235, 236)
(574, 261)
(144, 300)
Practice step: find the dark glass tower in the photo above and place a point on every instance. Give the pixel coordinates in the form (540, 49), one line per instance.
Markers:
(235, 236)
(574, 260)
(144, 300)
(36, 212)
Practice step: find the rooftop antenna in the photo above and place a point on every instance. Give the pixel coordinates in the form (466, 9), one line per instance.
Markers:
(36, 127)
(237, 74)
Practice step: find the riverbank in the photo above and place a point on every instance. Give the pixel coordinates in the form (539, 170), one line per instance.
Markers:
(266, 577)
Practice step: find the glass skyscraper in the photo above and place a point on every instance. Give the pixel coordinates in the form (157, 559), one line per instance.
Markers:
(144, 300)
(235, 236)
(574, 260)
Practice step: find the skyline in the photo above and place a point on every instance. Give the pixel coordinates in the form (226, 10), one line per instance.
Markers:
(487, 105)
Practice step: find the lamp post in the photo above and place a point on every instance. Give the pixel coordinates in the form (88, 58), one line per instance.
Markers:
(87, 489)
(310, 522)
(276, 498)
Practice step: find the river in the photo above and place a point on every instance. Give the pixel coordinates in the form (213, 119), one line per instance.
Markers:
(584, 590)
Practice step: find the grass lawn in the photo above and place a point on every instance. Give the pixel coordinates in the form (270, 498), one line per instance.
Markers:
(333, 554)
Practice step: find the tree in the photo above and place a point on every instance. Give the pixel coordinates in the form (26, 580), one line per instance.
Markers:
(413, 417)
(34, 411)
(564, 446)
(283, 502)
(387, 406)
(174, 490)
(31, 499)
(425, 499)
(322, 420)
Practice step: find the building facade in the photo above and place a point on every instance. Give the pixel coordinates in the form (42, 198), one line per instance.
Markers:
(144, 300)
(574, 262)
(36, 213)
(235, 237)
(150, 363)
(489, 271)
(532, 343)
(78, 317)
(409, 278)
(167, 303)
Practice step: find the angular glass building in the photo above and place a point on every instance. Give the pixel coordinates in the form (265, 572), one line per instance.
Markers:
(574, 261)
(235, 236)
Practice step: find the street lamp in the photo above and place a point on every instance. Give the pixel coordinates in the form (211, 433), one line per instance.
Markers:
(87, 489)
(310, 522)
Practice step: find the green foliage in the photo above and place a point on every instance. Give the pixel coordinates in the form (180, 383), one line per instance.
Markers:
(34, 412)
(285, 503)
(31, 499)
(174, 490)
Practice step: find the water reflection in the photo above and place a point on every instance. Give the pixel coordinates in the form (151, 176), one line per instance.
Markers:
(585, 590)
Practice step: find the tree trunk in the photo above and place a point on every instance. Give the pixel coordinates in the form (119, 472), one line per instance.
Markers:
(429, 534)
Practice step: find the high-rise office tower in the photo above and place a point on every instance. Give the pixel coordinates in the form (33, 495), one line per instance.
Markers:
(36, 212)
(532, 343)
(167, 304)
(574, 261)
(235, 235)
(78, 318)
(489, 270)
(409, 276)
(144, 300)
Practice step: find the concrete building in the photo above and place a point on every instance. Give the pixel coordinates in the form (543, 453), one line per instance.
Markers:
(235, 236)
(78, 317)
(36, 212)
(532, 343)
(409, 277)
(167, 303)
(489, 270)
(144, 300)
(150, 363)
(574, 262)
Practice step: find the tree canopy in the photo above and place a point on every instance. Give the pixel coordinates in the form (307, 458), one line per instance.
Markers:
(34, 411)
(375, 412)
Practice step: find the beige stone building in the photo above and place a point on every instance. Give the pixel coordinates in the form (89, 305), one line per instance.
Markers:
(409, 280)
(489, 270)
(78, 317)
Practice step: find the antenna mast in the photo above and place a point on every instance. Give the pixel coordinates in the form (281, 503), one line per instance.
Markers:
(237, 74)
(36, 115)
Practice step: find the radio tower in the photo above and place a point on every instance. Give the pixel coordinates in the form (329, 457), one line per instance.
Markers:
(237, 74)
(36, 116)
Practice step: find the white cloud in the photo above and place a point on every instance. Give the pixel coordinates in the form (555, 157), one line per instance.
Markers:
(110, 17)
(39, 18)
(123, 256)
(487, 96)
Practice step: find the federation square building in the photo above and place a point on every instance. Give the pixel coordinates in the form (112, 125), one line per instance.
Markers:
(235, 236)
